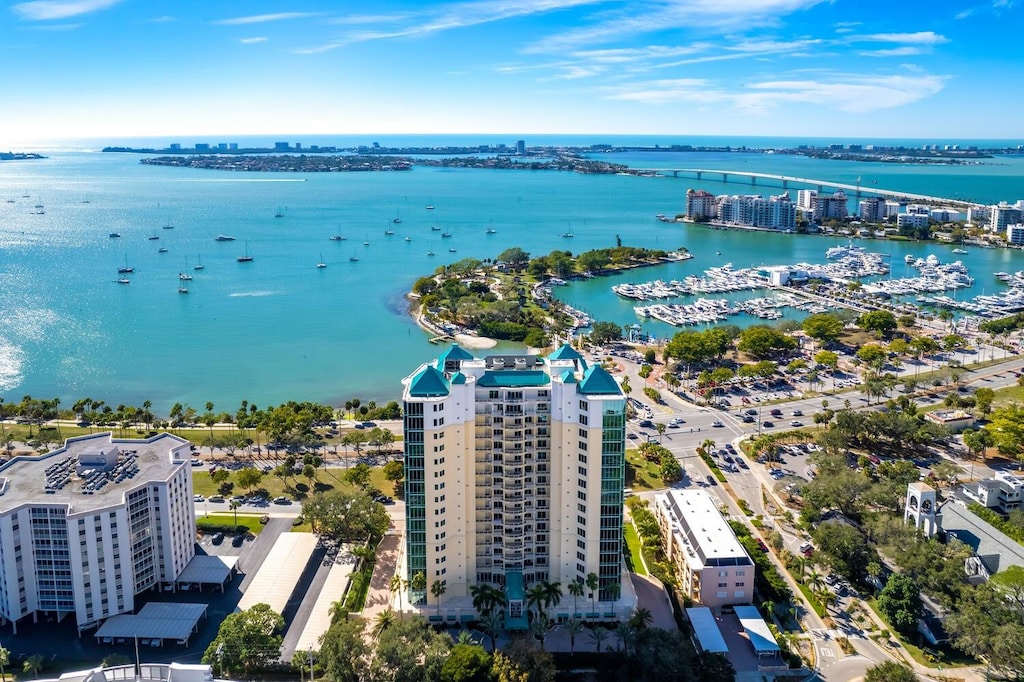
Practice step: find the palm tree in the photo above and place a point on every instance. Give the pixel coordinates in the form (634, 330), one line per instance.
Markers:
(491, 624)
(33, 664)
(418, 582)
(338, 611)
(625, 632)
(486, 598)
(552, 594)
(540, 626)
(437, 589)
(5, 656)
(395, 587)
(598, 634)
(576, 589)
(641, 619)
(592, 584)
(575, 627)
(384, 620)
(535, 597)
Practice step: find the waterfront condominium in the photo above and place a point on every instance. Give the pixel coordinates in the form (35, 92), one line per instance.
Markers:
(514, 476)
(87, 527)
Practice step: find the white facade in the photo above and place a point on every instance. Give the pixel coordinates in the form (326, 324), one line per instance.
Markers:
(871, 210)
(830, 208)
(805, 199)
(514, 474)
(913, 220)
(1003, 215)
(946, 214)
(713, 567)
(85, 528)
(753, 210)
(1015, 234)
(978, 215)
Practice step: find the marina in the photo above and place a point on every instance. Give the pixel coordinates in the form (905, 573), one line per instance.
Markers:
(272, 308)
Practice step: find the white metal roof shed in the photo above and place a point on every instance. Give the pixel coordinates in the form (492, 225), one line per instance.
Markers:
(274, 583)
(156, 620)
(208, 570)
(761, 637)
(320, 617)
(705, 628)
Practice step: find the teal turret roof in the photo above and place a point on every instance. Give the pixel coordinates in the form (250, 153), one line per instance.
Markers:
(597, 381)
(568, 377)
(455, 352)
(567, 352)
(428, 383)
(458, 378)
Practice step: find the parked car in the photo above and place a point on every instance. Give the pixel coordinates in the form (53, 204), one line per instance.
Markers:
(647, 424)
(216, 498)
(807, 549)
(198, 498)
(281, 499)
(218, 538)
(711, 480)
(238, 540)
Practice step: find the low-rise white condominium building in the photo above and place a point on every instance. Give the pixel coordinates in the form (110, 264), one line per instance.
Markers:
(713, 567)
(514, 476)
(87, 527)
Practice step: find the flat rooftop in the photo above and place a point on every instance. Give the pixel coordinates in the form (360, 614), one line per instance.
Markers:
(70, 475)
(695, 516)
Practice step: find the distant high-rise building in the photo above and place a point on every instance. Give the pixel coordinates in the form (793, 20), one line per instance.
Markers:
(521, 147)
(1015, 234)
(805, 199)
(700, 205)
(514, 476)
(223, 146)
(175, 147)
(753, 210)
(281, 146)
(830, 208)
(202, 147)
(1002, 215)
(871, 210)
(233, 146)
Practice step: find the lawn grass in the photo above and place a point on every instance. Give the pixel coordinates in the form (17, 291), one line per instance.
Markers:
(1009, 394)
(646, 475)
(250, 521)
(634, 562)
(811, 599)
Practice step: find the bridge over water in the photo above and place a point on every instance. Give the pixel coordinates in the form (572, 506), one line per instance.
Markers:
(784, 180)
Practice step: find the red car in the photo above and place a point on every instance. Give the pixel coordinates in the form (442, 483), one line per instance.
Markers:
(760, 544)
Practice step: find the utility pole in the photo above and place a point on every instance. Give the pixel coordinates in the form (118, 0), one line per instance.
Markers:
(310, 654)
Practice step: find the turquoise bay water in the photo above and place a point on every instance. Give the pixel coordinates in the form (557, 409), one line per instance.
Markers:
(278, 328)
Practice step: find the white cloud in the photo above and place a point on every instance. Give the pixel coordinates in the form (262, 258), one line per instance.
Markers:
(639, 18)
(264, 18)
(918, 38)
(56, 27)
(846, 26)
(165, 19)
(253, 40)
(846, 92)
(46, 10)
(905, 51)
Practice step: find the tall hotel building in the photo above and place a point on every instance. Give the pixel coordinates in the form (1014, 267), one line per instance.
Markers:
(514, 475)
(90, 525)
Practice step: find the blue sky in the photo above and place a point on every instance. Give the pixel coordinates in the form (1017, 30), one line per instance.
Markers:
(857, 68)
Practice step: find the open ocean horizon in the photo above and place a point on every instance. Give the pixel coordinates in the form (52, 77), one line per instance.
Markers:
(279, 329)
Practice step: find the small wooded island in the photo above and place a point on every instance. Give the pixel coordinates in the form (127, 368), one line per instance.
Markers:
(509, 297)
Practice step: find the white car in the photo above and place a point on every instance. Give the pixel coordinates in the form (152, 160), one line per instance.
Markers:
(198, 498)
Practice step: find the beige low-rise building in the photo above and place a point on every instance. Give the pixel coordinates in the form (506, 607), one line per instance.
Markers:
(714, 568)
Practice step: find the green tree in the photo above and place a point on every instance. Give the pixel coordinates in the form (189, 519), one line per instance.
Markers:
(983, 398)
(1006, 426)
(5, 654)
(880, 321)
(249, 477)
(359, 474)
(394, 470)
(514, 257)
(762, 341)
(344, 651)
(822, 327)
(437, 590)
(246, 641)
(33, 664)
(467, 663)
(602, 333)
(890, 671)
(900, 602)
(987, 625)
(873, 355)
(345, 514)
(410, 651)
